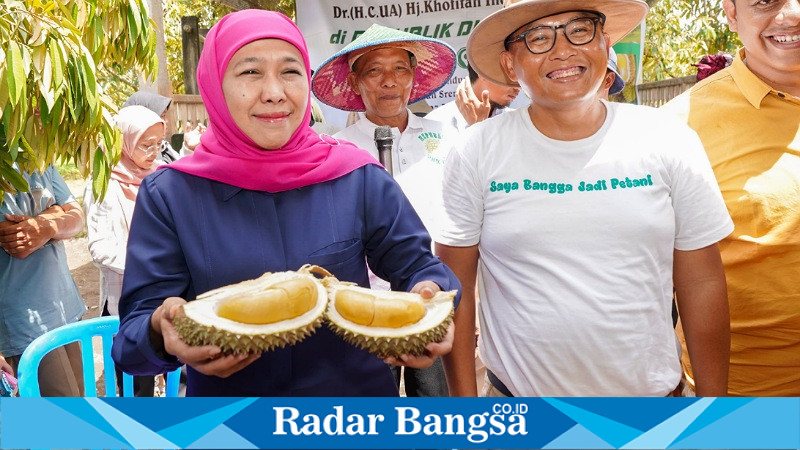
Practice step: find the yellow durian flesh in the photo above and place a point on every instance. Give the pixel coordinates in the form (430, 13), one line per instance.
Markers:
(281, 301)
(366, 309)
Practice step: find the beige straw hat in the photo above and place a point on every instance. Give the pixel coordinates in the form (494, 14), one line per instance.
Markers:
(486, 41)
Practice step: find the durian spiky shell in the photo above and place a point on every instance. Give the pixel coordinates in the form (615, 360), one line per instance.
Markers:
(195, 334)
(197, 323)
(382, 341)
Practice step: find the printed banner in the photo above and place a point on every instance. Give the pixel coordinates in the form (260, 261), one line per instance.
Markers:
(629, 62)
(356, 423)
(329, 25)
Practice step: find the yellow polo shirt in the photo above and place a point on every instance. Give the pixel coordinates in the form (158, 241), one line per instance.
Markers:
(752, 136)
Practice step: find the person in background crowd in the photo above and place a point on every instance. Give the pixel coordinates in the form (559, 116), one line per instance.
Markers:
(711, 64)
(613, 82)
(583, 214)
(318, 123)
(380, 73)
(37, 292)
(191, 137)
(161, 105)
(109, 220)
(468, 108)
(748, 118)
(5, 366)
(251, 199)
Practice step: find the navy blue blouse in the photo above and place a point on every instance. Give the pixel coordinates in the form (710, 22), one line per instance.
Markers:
(191, 234)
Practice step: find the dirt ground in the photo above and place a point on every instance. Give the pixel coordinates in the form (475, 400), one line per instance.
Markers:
(86, 275)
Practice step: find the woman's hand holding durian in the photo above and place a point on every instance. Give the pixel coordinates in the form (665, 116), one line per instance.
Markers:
(206, 359)
(427, 289)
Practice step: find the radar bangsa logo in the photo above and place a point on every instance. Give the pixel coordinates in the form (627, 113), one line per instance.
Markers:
(503, 419)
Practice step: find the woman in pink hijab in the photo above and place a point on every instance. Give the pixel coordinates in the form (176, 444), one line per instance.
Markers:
(264, 193)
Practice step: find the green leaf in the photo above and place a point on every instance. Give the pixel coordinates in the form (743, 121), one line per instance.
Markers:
(27, 61)
(89, 70)
(46, 84)
(44, 112)
(15, 74)
(137, 14)
(12, 128)
(38, 57)
(3, 89)
(133, 27)
(49, 6)
(100, 174)
(81, 15)
(12, 176)
(58, 65)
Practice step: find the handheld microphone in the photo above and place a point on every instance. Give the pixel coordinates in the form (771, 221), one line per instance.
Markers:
(383, 142)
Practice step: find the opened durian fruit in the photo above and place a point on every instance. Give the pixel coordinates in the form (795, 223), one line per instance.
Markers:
(257, 315)
(388, 323)
(283, 308)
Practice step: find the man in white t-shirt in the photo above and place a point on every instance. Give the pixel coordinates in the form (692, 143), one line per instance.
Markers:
(379, 74)
(579, 216)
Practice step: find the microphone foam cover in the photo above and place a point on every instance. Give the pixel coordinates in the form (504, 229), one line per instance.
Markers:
(383, 133)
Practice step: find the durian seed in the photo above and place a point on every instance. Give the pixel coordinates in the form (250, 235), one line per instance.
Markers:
(366, 309)
(281, 301)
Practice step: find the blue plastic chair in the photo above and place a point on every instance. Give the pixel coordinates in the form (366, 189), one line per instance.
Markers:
(83, 331)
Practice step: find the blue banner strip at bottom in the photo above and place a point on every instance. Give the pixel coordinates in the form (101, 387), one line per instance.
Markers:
(356, 423)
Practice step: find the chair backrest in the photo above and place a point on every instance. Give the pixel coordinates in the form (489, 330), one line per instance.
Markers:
(82, 331)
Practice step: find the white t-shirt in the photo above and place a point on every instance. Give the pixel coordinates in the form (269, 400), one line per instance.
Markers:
(576, 246)
(449, 115)
(418, 156)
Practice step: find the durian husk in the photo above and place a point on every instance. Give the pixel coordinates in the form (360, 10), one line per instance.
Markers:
(385, 341)
(198, 324)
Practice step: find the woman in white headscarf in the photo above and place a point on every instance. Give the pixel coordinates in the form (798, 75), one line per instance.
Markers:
(159, 105)
(108, 221)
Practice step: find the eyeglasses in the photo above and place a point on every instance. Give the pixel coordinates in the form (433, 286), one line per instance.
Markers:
(542, 39)
(149, 150)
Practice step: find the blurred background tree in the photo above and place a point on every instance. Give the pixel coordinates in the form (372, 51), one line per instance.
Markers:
(52, 53)
(679, 33)
(208, 13)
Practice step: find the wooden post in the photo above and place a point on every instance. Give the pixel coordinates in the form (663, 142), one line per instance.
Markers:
(190, 37)
(161, 84)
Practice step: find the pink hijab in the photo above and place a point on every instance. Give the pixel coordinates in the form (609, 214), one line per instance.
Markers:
(225, 153)
(133, 121)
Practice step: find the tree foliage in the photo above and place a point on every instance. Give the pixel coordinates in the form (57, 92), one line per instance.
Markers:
(680, 32)
(208, 13)
(51, 52)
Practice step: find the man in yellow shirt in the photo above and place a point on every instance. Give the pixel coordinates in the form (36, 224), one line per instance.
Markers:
(748, 117)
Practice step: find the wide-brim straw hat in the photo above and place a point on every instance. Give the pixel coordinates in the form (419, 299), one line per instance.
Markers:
(436, 62)
(485, 43)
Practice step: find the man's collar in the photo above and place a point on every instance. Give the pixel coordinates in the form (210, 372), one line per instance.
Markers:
(753, 88)
(414, 122)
